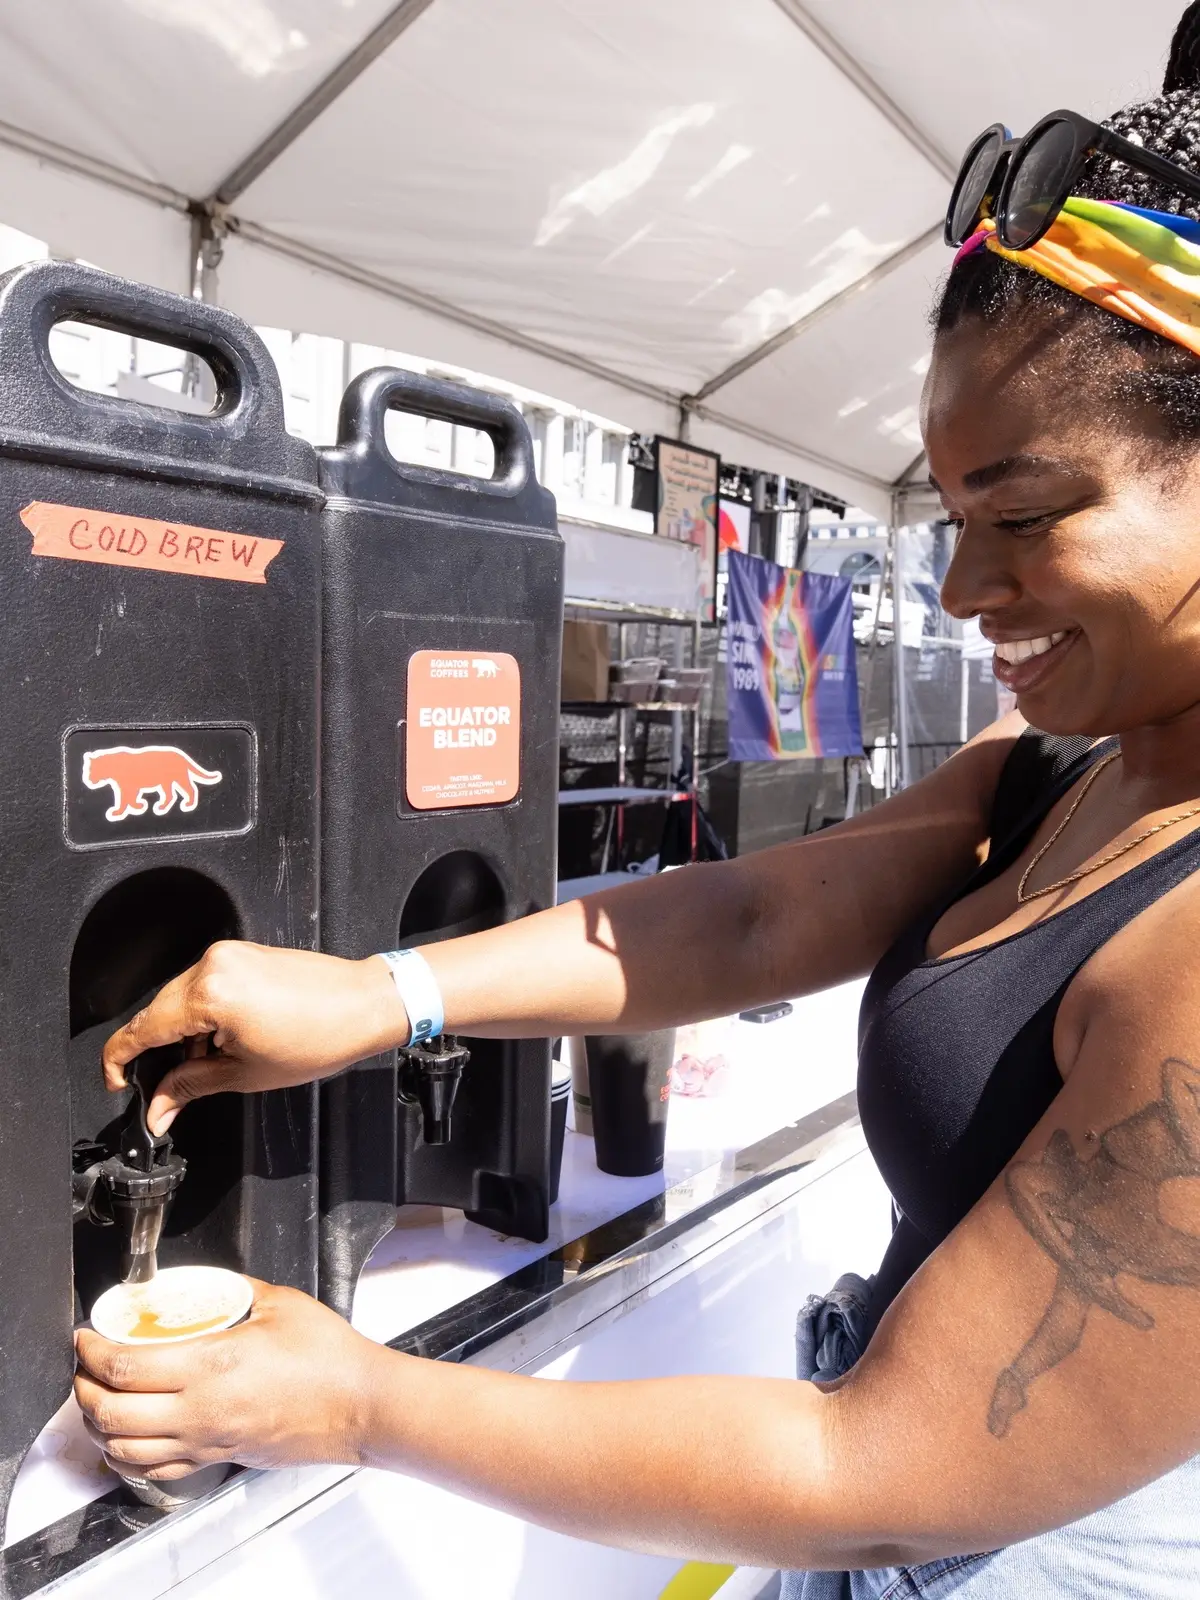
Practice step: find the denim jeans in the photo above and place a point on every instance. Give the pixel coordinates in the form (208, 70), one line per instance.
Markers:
(1144, 1547)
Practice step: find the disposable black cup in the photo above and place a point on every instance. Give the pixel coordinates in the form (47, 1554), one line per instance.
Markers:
(628, 1076)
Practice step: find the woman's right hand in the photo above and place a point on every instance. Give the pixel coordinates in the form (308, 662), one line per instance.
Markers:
(680, 947)
(259, 1018)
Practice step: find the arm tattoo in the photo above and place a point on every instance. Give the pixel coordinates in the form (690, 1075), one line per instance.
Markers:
(1096, 1218)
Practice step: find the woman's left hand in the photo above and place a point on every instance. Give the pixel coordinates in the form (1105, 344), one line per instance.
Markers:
(288, 1387)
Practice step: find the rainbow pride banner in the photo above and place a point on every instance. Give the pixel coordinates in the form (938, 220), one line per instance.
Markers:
(791, 678)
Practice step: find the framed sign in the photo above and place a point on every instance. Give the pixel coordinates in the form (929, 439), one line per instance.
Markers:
(688, 490)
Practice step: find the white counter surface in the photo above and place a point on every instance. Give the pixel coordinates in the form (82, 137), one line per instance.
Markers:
(779, 1072)
(435, 1258)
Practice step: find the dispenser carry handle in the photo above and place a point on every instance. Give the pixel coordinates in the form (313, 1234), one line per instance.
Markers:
(362, 443)
(245, 431)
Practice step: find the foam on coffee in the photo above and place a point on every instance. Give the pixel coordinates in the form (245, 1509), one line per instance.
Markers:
(180, 1303)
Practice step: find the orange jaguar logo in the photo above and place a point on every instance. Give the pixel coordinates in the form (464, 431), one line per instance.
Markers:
(153, 768)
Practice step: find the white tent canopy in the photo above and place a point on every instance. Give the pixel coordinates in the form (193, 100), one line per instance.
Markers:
(711, 217)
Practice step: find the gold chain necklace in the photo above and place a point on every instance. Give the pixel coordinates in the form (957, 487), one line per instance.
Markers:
(1074, 877)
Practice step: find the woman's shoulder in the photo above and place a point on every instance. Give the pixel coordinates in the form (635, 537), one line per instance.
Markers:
(1138, 986)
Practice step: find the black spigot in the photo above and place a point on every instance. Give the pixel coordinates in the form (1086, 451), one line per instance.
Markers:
(130, 1189)
(431, 1076)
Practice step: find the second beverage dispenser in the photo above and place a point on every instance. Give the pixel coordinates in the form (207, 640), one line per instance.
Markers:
(442, 613)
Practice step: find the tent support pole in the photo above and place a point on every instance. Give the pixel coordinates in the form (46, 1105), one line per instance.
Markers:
(901, 677)
(206, 244)
(851, 68)
(318, 100)
(64, 159)
(876, 274)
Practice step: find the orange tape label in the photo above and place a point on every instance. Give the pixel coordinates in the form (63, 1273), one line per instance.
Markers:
(463, 737)
(73, 533)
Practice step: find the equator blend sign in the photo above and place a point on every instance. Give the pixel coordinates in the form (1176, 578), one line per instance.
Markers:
(462, 730)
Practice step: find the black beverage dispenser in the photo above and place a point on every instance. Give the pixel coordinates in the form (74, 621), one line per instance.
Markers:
(158, 791)
(442, 642)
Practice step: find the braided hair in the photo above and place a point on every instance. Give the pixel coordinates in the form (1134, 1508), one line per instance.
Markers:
(1149, 382)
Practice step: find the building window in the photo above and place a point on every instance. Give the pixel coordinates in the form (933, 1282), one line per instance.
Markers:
(611, 456)
(574, 441)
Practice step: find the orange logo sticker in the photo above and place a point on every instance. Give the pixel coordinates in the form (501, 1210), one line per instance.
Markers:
(75, 534)
(463, 732)
(132, 774)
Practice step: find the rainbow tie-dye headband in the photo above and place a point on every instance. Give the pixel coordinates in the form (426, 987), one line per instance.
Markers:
(1141, 265)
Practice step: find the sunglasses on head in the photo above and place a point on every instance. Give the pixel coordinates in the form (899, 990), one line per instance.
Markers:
(1023, 183)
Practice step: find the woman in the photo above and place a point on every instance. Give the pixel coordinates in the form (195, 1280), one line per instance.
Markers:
(1027, 1407)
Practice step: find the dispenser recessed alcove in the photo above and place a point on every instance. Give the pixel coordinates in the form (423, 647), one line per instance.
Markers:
(142, 932)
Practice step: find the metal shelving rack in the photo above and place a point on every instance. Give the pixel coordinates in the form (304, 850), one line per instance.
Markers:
(622, 793)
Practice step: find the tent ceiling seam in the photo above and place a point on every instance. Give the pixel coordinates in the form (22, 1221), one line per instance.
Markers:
(748, 430)
(318, 100)
(114, 177)
(68, 160)
(907, 478)
(306, 255)
(853, 70)
(868, 280)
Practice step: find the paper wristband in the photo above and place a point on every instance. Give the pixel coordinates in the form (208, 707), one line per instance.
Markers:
(418, 991)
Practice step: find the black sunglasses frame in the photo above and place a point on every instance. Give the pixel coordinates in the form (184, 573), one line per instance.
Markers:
(1089, 139)
(986, 187)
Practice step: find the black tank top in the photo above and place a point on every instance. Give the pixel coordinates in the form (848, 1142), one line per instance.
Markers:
(956, 1056)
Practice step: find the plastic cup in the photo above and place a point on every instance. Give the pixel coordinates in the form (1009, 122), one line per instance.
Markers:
(179, 1305)
(629, 1080)
(560, 1094)
(575, 1053)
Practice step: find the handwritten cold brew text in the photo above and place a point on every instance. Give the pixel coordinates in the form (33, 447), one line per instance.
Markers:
(1100, 1216)
(74, 533)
